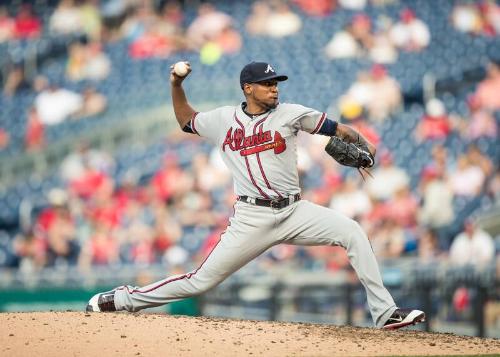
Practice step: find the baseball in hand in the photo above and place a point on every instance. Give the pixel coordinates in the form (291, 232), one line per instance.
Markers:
(180, 69)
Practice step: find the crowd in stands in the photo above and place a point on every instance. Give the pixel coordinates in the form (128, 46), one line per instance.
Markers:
(479, 18)
(382, 42)
(176, 216)
(95, 220)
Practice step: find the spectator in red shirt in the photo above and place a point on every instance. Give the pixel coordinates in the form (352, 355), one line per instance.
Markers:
(56, 229)
(167, 179)
(435, 124)
(4, 138)
(34, 138)
(27, 25)
(317, 7)
(102, 248)
(402, 208)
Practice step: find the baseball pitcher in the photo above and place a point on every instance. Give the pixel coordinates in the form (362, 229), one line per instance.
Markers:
(257, 140)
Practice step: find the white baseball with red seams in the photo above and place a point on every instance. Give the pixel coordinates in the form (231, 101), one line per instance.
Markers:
(181, 69)
(261, 153)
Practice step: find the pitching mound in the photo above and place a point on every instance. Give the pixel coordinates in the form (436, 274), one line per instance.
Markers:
(123, 334)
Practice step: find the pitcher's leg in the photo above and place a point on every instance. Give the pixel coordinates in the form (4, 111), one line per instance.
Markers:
(311, 224)
(238, 245)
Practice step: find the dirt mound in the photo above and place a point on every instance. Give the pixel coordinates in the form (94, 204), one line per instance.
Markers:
(124, 334)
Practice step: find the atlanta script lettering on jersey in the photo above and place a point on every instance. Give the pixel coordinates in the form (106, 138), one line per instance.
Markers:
(252, 144)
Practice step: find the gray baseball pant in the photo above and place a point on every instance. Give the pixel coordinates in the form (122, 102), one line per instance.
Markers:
(254, 229)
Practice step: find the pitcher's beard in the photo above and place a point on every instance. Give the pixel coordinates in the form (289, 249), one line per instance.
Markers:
(273, 105)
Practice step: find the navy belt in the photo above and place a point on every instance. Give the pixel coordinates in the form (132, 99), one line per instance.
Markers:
(276, 203)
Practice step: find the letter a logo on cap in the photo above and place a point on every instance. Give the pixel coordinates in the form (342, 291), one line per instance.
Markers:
(269, 69)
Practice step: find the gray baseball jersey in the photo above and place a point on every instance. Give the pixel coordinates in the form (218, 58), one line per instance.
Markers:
(261, 152)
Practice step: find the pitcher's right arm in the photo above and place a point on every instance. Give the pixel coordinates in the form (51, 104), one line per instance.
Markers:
(182, 109)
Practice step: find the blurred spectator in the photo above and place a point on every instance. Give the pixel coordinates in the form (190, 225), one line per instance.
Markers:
(4, 138)
(169, 24)
(353, 4)
(208, 178)
(273, 19)
(101, 249)
(490, 11)
(66, 19)
(34, 137)
(479, 159)
(402, 208)
(282, 21)
(436, 210)
(93, 103)
(467, 18)
(472, 247)
(169, 181)
(57, 228)
(410, 33)
(440, 160)
(343, 45)
(7, 25)
(208, 25)
(376, 91)
(388, 239)
(256, 23)
(435, 124)
(29, 249)
(480, 123)
(229, 40)
(90, 18)
(90, 184)
(494, 187)
(350, 200)
(361, 30)
(387, 179)
(488, 89)
(477, 18)
(152, 43)
(383, 50)
(428, 247)
(76, 163)
(467, 179)
(137, 233)
(358, 39)
(87, 61)
(316, 7)
(139, 17)
(167, 230)
(356, 117)
(27, 25)
(55, 104)
(16, 81)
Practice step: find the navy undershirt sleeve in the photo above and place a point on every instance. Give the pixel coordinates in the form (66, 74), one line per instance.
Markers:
(329, 127)
(187, 128)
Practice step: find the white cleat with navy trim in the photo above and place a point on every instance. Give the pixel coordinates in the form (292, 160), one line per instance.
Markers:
(404, 317)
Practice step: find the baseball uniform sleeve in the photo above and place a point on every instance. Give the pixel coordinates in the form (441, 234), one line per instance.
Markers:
(305, 119)
(206, 124)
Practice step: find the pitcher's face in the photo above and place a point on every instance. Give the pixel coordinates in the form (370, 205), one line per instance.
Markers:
(264, 94)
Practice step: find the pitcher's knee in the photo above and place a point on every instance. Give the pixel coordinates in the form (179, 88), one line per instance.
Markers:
(201, 286)
(356, 233)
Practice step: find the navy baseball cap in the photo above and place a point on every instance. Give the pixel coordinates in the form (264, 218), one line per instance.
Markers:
(259, 71)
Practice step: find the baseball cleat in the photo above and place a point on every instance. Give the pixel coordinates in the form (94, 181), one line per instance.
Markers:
(102, 302)
(404, 317)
